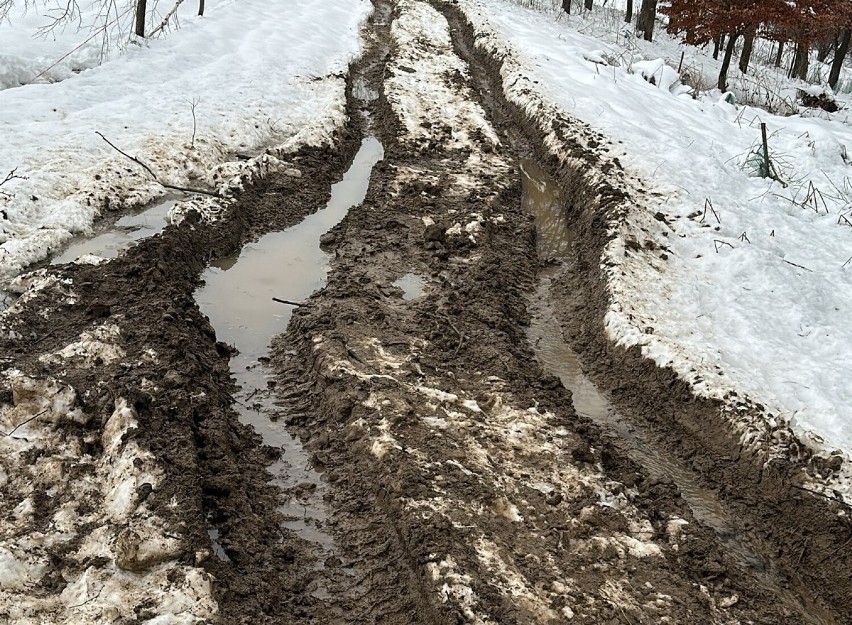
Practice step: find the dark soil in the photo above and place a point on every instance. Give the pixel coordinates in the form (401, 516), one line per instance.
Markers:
(215, 466)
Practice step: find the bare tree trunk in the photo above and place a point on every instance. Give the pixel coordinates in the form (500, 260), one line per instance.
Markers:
(839, 57)
(566, 6)
(824, 48)
(200, 7)
(726, 61)
(141, 9)
(647, 16)
(800, 62)
(628, 13)
(779, 56)
(588, 5)
(748, 45)
(718, 42)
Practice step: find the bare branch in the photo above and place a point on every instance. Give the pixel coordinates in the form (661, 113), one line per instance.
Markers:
(153, 174)
(166, 19)
(12, 175)
(23, 423)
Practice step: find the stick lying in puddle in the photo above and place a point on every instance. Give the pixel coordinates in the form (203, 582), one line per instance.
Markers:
(285, 301)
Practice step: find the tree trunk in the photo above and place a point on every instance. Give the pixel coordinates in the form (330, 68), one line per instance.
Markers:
(824, 48)
(717, 45)
(628, 13)
(748, 45)
(726, 62)
(200, 7)
(141, 9)
(647, 16)
(779, 56)
(588, 5)
(566, 6)
(800, 63)
(839, 57)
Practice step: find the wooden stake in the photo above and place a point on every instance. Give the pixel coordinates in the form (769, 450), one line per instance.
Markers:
(766, 164)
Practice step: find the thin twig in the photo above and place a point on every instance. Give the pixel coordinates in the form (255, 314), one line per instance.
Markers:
(455, 329)
(166, 19)
(89, 600)
(192, 105)
(799, 266)
(286, 301)
(823, 495)
(153, 175)
(23, 423)
(12, 175)
(717, 243)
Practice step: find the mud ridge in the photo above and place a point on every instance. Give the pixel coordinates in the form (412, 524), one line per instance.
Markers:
(808, 533)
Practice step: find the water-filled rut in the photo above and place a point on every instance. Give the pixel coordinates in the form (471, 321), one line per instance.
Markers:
(237, 296)
(542, 198)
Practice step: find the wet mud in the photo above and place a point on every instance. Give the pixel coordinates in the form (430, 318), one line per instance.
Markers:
(427, 426)
(802, 538)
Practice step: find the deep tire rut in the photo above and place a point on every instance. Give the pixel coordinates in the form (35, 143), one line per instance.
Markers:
(779, 526)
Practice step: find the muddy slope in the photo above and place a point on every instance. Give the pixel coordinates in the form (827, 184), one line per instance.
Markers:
(811, 535)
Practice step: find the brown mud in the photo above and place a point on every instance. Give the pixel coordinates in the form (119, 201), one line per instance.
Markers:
(806, 536)
(460, 483)
(215, 467)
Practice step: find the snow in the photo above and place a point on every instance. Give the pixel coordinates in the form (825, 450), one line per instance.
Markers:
(260, 78)
(419, 85)
(753, 303)
(98, 344)
(31, 54)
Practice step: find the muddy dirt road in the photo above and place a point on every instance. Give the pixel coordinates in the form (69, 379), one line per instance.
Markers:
(438, 432)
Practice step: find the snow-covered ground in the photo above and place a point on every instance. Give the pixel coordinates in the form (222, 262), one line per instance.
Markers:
(752, 295)
(261, 74)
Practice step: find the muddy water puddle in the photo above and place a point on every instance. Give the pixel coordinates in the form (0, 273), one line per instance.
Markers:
(111, 240)
(121, 235)
(541, 196)
(238, 295)
(412, 285)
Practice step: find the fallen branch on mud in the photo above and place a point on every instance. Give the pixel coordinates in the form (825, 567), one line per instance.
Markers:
(154, 175)
(836, 498)
(286, 301)
(455, 329)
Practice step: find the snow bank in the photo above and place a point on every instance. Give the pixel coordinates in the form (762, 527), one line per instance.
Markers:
(750, 296)
(262, 74)
(34, 52)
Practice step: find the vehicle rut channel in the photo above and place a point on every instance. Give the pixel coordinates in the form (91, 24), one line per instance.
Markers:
(405, 438)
